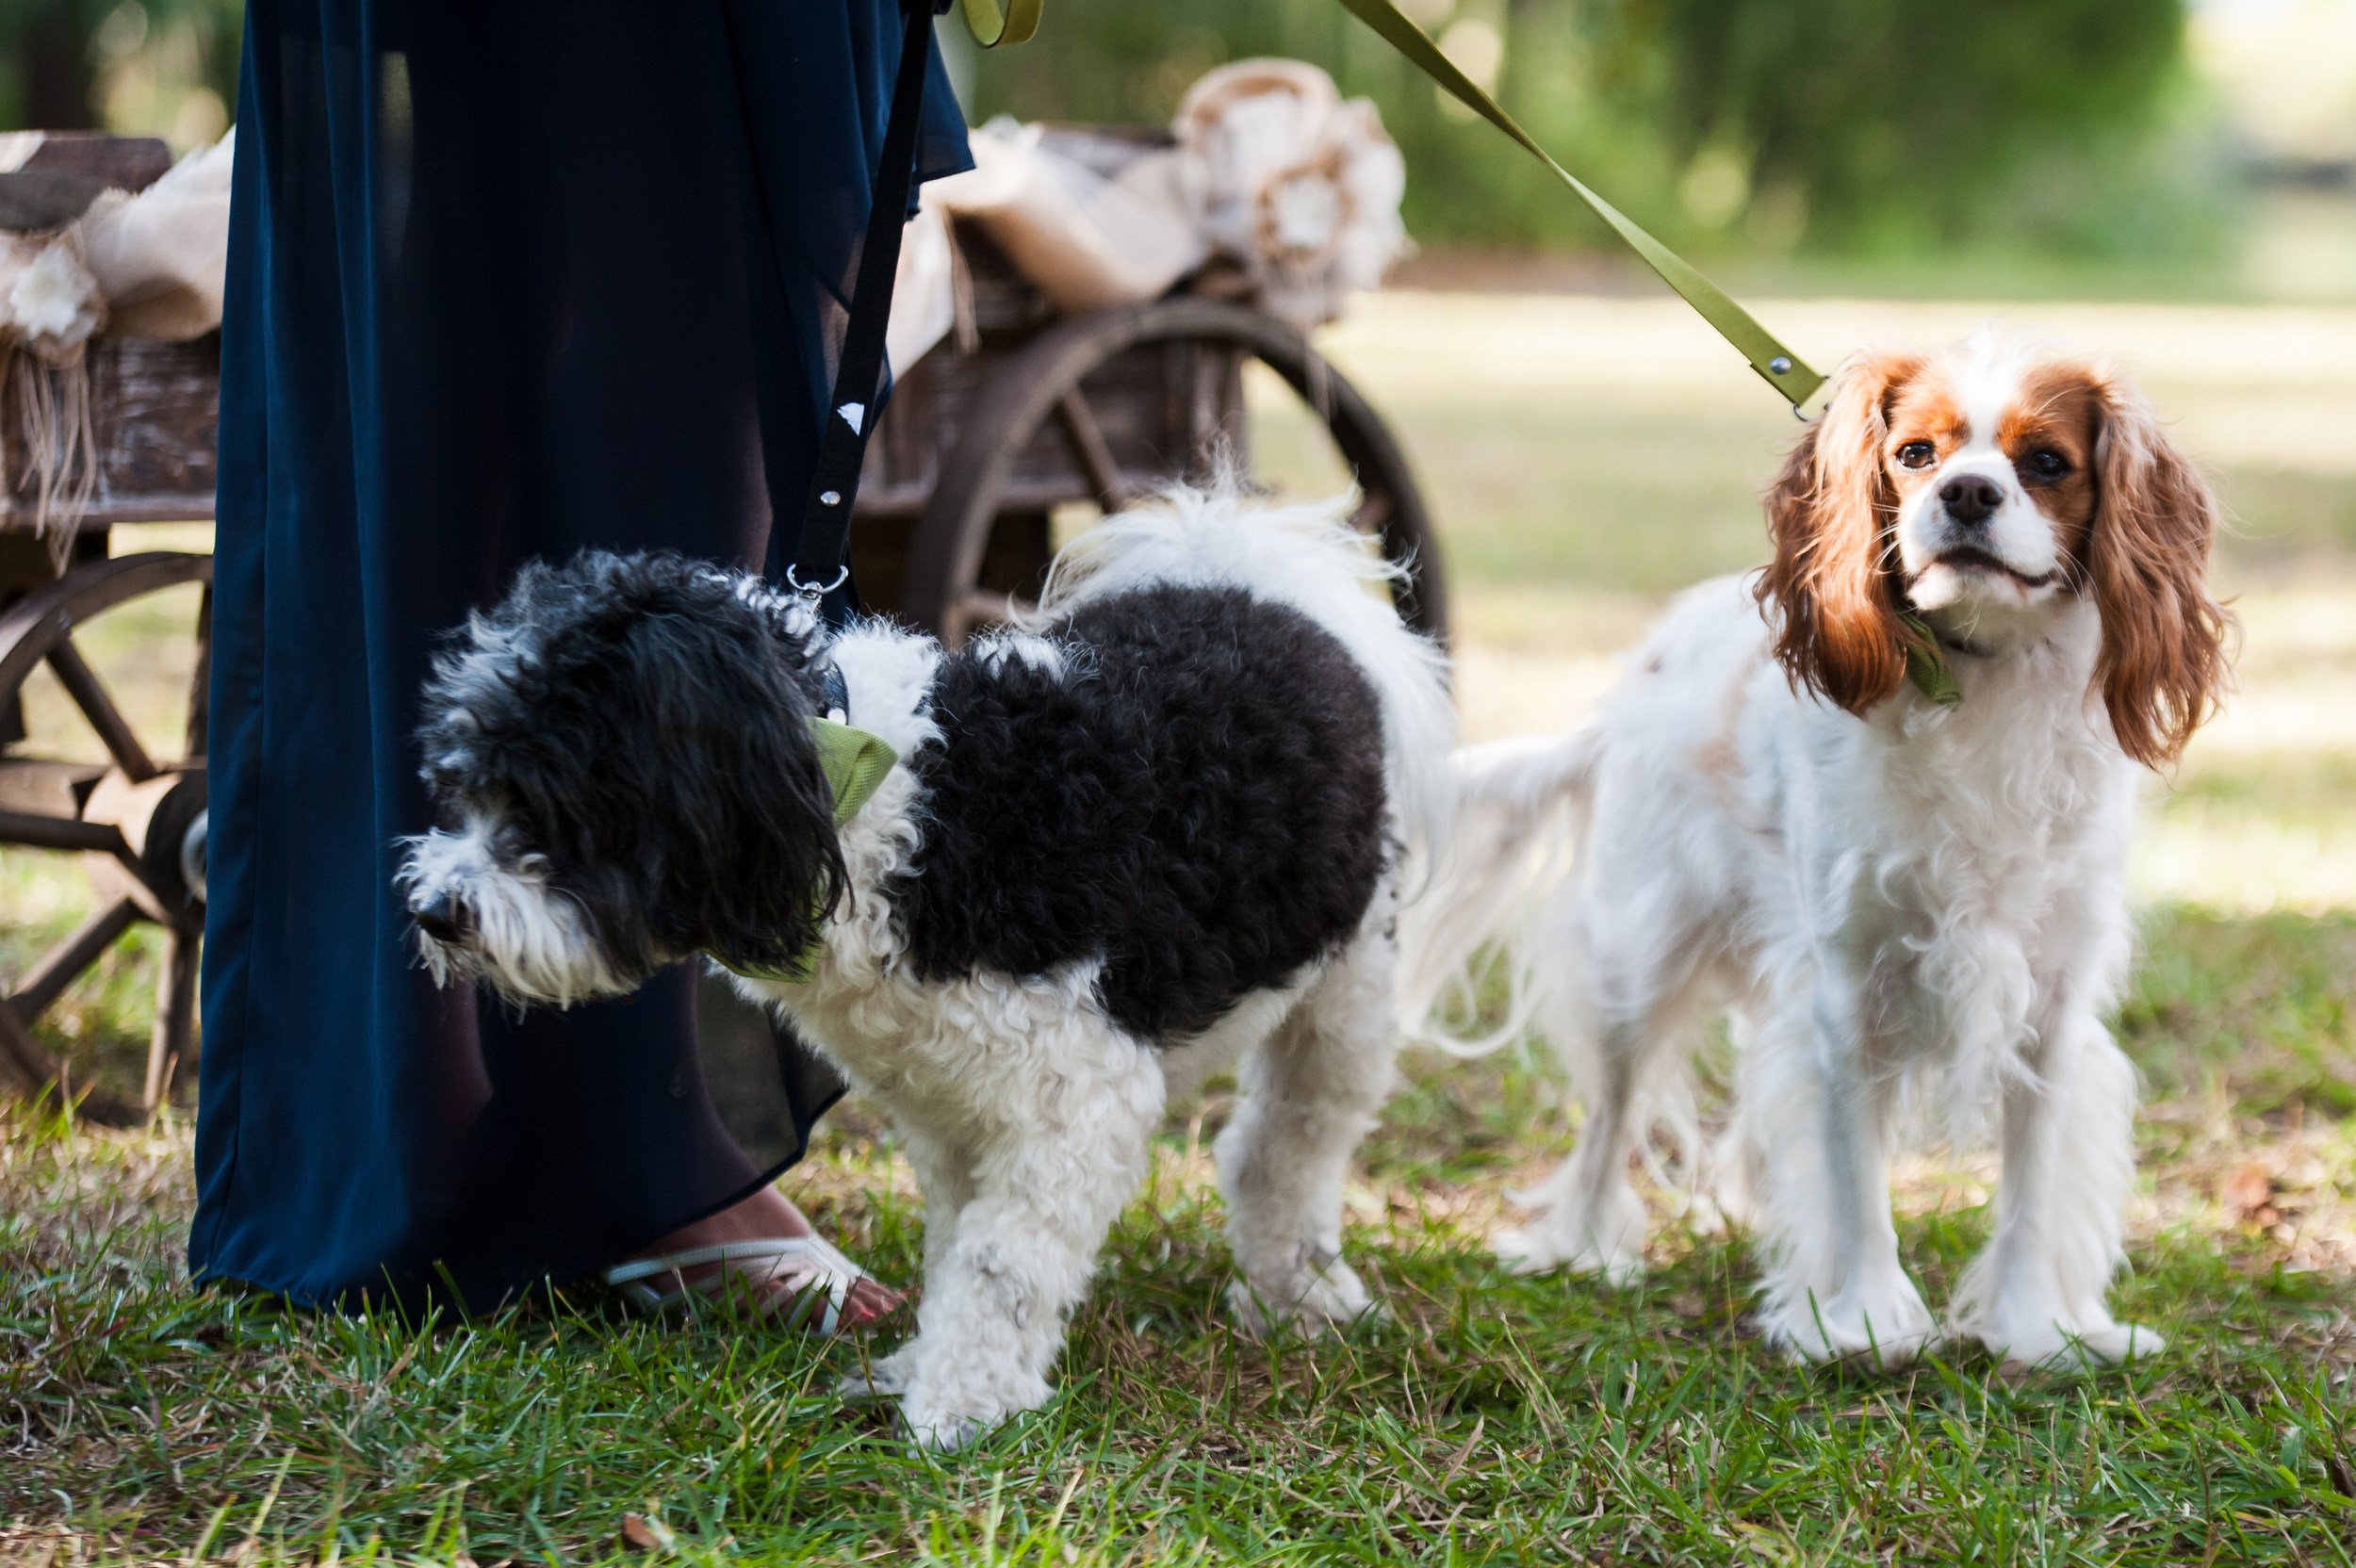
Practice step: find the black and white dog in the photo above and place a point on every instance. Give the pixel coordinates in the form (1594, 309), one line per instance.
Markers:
(1159, 830)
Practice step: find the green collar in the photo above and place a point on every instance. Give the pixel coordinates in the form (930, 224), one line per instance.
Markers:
(855, 763)
(1926, 664)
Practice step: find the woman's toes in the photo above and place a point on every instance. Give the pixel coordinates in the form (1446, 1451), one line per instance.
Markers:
(868, 1301)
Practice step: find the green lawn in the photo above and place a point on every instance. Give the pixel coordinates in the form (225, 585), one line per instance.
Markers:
(1487, 1418)
(1586, 458)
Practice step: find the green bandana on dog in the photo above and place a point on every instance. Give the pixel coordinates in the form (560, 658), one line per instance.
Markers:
(855, 763)
(1926, 666)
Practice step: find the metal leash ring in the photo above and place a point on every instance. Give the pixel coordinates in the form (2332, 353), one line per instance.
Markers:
(812, 591)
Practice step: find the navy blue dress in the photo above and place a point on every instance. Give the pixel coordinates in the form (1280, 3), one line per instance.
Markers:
(505, 281)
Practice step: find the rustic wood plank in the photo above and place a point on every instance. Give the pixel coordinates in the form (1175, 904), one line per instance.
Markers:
(37, 201)
(124, 162)
(160, 420)
(157, 408)
(1005, 302)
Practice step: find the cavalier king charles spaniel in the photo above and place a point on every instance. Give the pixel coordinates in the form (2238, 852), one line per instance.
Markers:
(1051, 878)
(1874, 806)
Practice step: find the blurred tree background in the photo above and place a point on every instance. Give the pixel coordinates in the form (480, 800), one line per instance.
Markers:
(2114, 135)
(1861, 128)
(165, 68)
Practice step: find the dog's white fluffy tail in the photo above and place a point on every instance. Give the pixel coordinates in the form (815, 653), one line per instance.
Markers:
(1520, 816)
(1306, 556)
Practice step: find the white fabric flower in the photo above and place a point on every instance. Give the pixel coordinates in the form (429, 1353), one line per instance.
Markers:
(1298, 185)
(52, 302)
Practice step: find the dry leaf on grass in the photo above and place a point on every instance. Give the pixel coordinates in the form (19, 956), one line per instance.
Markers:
(2246, 1191)
(647, 1533)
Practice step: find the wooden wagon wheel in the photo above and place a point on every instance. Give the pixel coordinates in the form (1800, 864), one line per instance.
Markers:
(138, 819)
(1201, 346)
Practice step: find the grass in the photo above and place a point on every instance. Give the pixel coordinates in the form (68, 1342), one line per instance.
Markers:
(1588, 457)
(1487, 1418)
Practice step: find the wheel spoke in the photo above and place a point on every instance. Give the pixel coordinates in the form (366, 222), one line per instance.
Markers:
(90, 694)
(1211, 365)
(1096, 453)
(169, 1048)
(60, 966)
(27, 1063)
(39, 806)
(45, 832)
(1235, 418)
(200, 682)
(35, 1069)
(1320, 392)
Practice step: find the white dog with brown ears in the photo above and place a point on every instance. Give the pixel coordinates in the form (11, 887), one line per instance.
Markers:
(1784, 812)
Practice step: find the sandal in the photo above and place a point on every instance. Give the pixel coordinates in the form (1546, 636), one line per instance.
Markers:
(828, 1284)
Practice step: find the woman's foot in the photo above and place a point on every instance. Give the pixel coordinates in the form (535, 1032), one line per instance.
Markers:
(765, 1215)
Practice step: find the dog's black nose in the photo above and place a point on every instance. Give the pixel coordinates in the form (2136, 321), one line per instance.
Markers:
(1971, 498)
(443, 920)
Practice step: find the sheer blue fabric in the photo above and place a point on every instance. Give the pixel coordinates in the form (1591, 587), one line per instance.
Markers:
(504, 281)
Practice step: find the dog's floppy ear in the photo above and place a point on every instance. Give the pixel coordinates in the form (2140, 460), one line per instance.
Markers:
(2163, 663)
(637, 727)
(1834, 596)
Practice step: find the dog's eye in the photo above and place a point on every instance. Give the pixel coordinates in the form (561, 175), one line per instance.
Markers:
(1917, 454)
(2044, 464)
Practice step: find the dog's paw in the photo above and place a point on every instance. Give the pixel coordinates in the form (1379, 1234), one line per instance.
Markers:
(944, 1415)
(885, 1378)
(2087, 1350)
(944, 1433)
(1330, 1301)
(1535, 1249)
(1884, 1327)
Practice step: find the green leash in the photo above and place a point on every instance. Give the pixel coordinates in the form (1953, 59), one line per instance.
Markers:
(992, 26)
(855, 763)
(1778, 366)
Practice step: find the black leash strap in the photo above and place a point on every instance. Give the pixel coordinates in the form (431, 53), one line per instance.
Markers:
(821, 560)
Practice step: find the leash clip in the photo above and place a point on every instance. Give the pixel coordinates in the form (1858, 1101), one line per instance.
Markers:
(837, 695)
(811, 592)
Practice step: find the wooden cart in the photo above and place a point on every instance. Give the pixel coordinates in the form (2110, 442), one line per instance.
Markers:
(985, 446)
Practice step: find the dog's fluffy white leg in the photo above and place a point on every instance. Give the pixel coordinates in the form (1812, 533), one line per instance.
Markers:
(1817, 1110)
(2036, 1294)
(1615, 1003)
(944, 1174)
(1052, 1165)
(1313, 1089)
(1589, 1218)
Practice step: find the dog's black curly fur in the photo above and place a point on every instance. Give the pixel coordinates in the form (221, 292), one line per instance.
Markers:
(640, 723)
(1192, 791)
(1198, 798)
